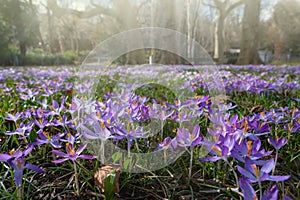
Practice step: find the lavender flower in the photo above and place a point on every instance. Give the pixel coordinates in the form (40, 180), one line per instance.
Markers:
(16, 160)
(71, 153)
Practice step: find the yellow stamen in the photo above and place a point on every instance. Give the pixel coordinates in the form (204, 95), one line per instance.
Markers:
(289, 127)
(98, 115)
(128, 111)
(46, 135)
(68, 104)
(70, 149)
(102, 124)
(207, 101)
(19, 164)
(176, 102)
(256, 170)
(52, 108)
(214, 148)
(249, 148)
(11, 152)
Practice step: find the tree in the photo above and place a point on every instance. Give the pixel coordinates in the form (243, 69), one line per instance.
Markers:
(285, 27)
(4, 42)
(223, 9)
(250, 34)
(21, 16)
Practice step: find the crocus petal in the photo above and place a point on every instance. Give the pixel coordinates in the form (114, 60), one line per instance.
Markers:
(196, 141)
(272, 141)
(278, 178)
(34, 168)
(87, 133)
(4, 157)
(60, 160)
(80, 149)
(268, 166)
(247, 189)
(28, 150)
(287, 198)
(13, 133)
(87, 157)
(271, 194)
(59, 153)
(246, 173)
(282, 142)
(18, 153)
(55, 144)
(196, 131)
(39, 141)
(18, 173)
(209, 159)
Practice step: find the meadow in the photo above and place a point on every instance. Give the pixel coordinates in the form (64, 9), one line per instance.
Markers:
(227, 133)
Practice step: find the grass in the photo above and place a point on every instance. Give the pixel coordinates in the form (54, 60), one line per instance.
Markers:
(208, 180)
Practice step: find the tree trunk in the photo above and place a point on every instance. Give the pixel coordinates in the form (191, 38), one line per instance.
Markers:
(22, 53)
(278, 49)
(250, 34)
(60, 41)
(219, 36)
(50, 32)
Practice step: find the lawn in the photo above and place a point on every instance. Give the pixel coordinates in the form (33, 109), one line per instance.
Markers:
(169, 132)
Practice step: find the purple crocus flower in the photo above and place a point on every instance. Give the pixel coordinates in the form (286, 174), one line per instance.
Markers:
(100, 131)
(250, 149)
(13, 118)
(247, 189)
(165, 144)
(277, 143)
(122, 132)
(71, 153)
(45, 138)
(23, 130)
(56, 108)
(186, 139)
(16, 160)
(41, 123)
(69, 138)
(63, 121)
(221, 148)
(249, 192)
(178, 105)
(254, 173)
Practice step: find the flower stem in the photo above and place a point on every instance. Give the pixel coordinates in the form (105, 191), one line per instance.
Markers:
(191, 165)
(162, 130)
(19, 193)
(128, 147)
(102, 152)
(275, 162)
(260, 190)
(76, 178)
(234, 173)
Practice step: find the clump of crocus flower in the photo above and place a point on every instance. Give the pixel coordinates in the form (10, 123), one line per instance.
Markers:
(16, 159)
(72, 155)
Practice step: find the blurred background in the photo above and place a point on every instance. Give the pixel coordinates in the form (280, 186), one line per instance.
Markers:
(63, 32)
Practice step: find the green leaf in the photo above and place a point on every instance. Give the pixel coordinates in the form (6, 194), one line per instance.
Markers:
(116, 156)
(109, 185)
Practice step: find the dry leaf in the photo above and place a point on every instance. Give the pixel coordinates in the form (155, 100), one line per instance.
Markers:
(103, 172)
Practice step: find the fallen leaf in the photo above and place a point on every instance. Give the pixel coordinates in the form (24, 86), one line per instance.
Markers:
(103, 172)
